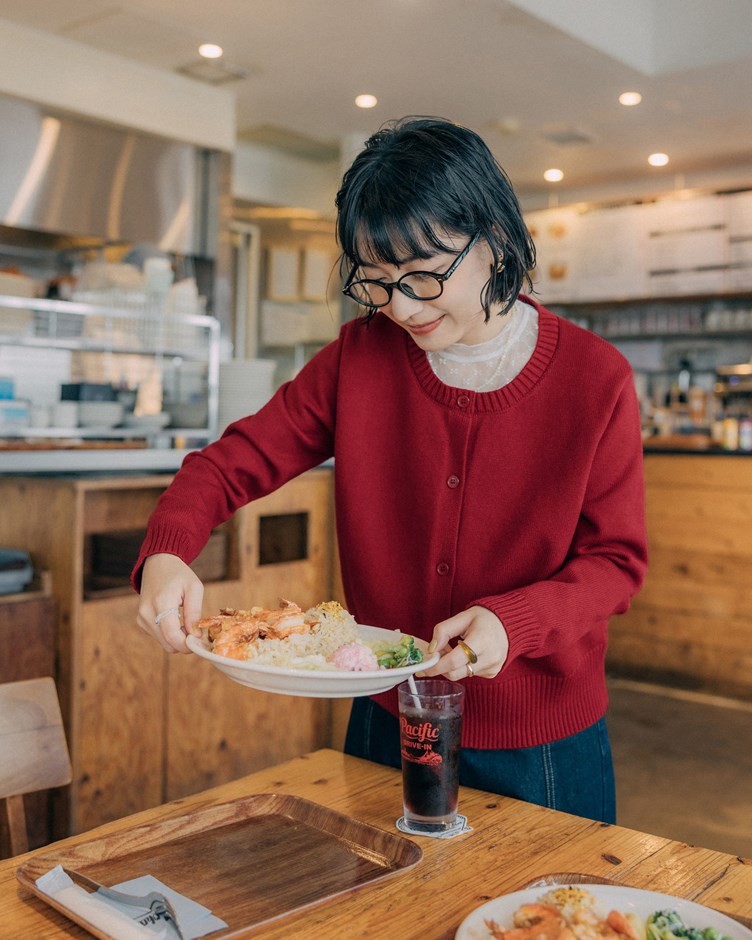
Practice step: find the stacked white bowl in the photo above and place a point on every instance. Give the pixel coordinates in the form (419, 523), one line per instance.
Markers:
(245, 385)
(100, 414)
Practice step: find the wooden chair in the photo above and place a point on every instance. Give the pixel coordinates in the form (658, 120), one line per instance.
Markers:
(33, 750)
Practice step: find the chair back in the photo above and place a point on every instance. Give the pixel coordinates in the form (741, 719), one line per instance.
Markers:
(33, 749)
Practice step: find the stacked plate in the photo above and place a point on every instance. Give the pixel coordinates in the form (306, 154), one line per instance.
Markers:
(147, 422)
(245, 385)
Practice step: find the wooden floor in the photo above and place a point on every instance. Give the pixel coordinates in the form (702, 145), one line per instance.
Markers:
(683, 765)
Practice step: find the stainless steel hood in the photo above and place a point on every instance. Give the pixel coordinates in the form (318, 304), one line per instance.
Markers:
(68, 175)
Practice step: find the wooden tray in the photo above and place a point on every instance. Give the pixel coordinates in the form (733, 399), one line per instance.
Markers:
(579, 878)
(250, 861)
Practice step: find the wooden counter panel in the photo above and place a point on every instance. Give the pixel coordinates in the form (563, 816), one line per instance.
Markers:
(218, 730)
(698, 470)
(687, 566)
(666, 661)
(690, 623)
(700, 594)
(118, 742)
(306, 581)
(27, 638)
(117, 510)
(707, 521)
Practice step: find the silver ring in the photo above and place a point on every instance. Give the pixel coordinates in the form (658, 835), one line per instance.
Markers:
(166, 613)
(469, 671)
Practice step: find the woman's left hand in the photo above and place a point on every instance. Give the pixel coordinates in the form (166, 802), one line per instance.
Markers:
(482, 632)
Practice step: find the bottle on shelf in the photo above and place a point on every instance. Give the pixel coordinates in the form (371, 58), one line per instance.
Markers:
(730, 439)
(745, 434)
(716, 427)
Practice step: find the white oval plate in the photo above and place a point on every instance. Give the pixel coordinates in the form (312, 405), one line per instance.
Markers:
(609, 897)
(317, 683)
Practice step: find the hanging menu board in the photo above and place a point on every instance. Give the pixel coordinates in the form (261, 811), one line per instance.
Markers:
(672, 247)
(687, 246)
(611, 256)
(740, 241)
(555, 233)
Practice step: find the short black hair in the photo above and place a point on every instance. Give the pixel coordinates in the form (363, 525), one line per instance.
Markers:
(420, 179)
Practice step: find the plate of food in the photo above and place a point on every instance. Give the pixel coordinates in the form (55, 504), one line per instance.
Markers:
(317, 653)
(611, 912)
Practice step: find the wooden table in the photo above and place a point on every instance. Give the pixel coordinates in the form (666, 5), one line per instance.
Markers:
(511, 844)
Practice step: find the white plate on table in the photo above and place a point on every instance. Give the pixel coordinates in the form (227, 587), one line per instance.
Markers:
(608, 898)
(318, 683)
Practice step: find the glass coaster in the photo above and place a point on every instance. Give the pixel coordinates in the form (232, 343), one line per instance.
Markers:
(457, 829)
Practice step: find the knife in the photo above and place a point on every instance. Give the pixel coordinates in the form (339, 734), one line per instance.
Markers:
(155, 901)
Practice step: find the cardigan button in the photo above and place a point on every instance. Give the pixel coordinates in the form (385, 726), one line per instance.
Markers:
(442, 568)
(463, 401)
(453, 482)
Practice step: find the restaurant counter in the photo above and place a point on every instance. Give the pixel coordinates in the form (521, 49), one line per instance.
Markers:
(653, 447)
(114, 681)
(511, 845)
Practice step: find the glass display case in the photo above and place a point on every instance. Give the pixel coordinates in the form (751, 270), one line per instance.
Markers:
(159, 371)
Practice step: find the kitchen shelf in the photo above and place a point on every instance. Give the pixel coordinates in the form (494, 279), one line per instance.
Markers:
(133, 326)
(97, 433)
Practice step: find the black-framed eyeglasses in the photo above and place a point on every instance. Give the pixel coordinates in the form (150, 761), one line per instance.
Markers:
(420, 285)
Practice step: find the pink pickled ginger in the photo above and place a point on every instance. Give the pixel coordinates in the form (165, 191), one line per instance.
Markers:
(355, 657)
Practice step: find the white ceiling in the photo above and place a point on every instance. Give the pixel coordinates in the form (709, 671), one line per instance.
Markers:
(538, 78)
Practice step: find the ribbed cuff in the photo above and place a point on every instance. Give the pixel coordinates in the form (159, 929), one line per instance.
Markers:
(518, 619)
(165, 540)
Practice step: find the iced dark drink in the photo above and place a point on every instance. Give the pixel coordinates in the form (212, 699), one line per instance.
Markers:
(430, 735)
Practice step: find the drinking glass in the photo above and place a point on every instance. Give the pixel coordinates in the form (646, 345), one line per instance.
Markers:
(430, 735)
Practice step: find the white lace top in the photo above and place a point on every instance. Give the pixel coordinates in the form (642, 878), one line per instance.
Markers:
(492, 364)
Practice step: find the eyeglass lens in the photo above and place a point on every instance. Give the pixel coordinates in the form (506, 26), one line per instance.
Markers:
(422, 286)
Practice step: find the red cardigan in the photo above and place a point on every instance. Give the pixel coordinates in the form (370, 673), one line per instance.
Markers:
(528, 500)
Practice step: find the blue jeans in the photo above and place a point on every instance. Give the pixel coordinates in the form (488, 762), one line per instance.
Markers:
(574, 774)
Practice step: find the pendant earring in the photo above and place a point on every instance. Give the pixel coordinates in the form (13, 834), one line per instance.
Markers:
(500, 266)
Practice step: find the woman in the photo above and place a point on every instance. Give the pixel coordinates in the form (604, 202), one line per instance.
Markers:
(488, 471)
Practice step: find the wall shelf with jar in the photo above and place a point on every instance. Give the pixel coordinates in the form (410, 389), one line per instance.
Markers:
(720, 317)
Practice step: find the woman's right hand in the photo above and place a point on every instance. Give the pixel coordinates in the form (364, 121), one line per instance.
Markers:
(169, 587)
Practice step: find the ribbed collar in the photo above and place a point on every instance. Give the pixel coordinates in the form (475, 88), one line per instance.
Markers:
(508, 395)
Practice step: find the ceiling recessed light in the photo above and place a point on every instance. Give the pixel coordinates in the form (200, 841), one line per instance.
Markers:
(630, 98)
(210, 50)
(366, 101)
(658, 159)
(553, 175)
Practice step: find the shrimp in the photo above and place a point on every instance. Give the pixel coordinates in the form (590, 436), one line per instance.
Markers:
(236, 641)
(282, 622)
(532, 922)
(213, 626)
(621, 924)
(236, 633)
(232, 632)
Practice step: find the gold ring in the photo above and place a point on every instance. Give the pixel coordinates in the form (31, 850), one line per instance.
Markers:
(166, 613)
(472, 656)
(469, 671)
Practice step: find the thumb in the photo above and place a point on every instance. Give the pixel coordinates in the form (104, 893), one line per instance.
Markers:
(192, 602)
